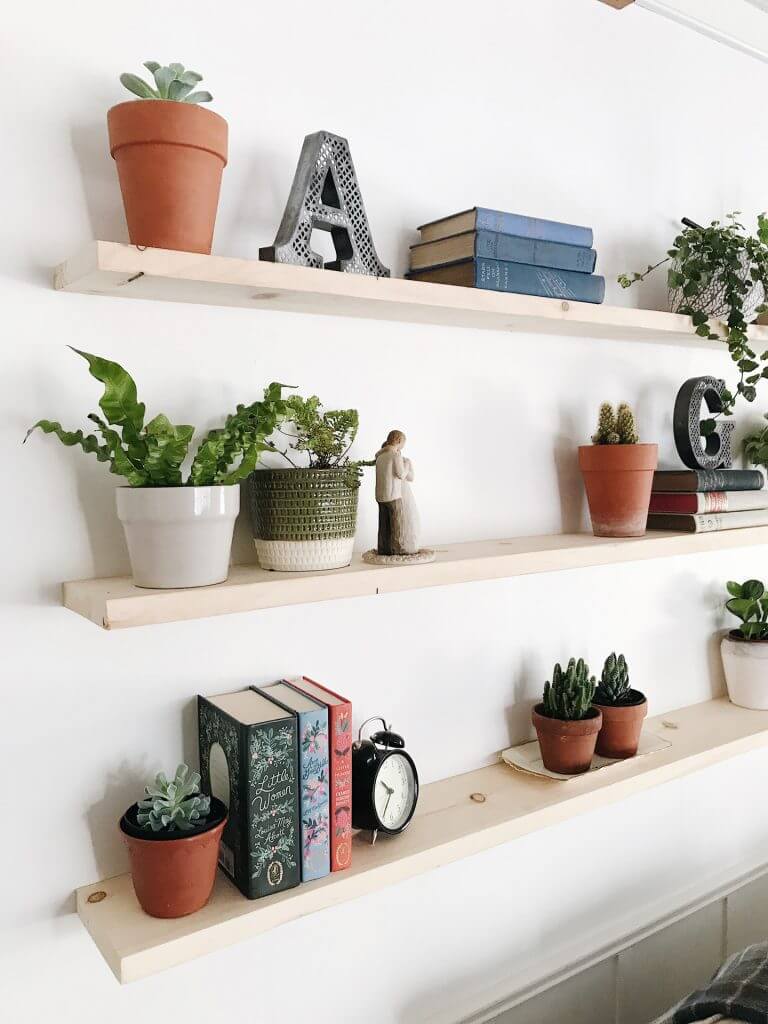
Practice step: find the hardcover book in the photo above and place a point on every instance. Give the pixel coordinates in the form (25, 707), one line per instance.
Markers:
(340, 770)
(481, 219)
(512, 248)
(707, 480)
(708, 522)
(312, 717)
(522, 278)
(708, 501)
(248, 759)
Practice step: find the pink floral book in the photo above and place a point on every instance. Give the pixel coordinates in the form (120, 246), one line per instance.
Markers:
(340, 754)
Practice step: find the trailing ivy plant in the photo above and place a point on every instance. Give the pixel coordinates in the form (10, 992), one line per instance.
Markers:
(723, 254)
(173, 82)
(151, 454)
(326, 436)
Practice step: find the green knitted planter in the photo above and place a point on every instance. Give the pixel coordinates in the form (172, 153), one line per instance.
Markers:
(302, 504)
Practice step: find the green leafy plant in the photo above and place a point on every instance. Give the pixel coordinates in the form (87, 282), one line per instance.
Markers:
(172, 82)
(326, 436)
(173, 805)
(151, 454)
(615, 427)
(725, 255)
(569, 695)
(749, 603)
(756, 447)
(613, 688)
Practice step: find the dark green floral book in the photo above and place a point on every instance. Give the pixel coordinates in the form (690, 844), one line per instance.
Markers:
(248, 759)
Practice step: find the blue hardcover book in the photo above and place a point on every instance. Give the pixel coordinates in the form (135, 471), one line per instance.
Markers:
(313, 776)
(501, 276)
(496, 246)
(481, 219)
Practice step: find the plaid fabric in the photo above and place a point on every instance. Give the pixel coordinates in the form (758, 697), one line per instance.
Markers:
(738, 990)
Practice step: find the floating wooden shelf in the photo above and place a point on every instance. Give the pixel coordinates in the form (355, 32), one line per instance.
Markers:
(115, 603)
(112, 268)
(447, 827)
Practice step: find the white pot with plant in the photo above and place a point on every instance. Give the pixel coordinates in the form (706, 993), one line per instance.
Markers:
(179, 532)
(745, 650)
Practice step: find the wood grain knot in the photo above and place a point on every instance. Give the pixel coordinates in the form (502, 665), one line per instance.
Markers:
(479, 798)
(97, 897)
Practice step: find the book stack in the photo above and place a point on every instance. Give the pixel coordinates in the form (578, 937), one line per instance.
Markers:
(708, 500)
(280, 757)
(508, 252)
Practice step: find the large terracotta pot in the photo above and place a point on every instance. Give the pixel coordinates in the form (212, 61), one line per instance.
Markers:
(567, 747)
(169, 158)
(618, 480)
(173, 873)
(619, 734)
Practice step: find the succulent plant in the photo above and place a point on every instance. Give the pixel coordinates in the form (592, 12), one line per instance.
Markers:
(750, 604)
(173, 82)
(613, 687)
(174, 805)
(569, 695)
(615, 427)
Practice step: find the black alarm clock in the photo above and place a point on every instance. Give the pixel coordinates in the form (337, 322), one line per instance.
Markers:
(385, 783)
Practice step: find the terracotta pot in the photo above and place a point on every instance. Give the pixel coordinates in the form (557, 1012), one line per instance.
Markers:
(169, 160)
(173, 877)
(566, 747)
(620, 732)
(618, 480)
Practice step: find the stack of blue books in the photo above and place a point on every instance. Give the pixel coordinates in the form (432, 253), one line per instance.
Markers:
(508, 252)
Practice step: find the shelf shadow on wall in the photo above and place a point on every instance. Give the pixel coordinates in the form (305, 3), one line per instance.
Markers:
(568, 476)
(101, 189)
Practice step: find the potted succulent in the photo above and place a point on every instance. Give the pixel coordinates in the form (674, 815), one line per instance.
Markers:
(170, 154)
(179, 534)
(304, 518)
(173, 838)
(618, 474)
(566, 721)
(745, 650)
(622, 708)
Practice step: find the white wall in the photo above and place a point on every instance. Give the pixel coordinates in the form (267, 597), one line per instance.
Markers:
(561, 108)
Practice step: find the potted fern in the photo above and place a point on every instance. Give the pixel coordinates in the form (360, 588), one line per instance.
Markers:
(173, 836)
(170, 154)
(179, 533)
(618, 474)
(745, 650)
(623, 710)
(304, 517)
(566, 721)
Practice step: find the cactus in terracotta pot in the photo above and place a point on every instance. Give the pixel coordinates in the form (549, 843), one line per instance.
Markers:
(566, 721)
(569, 695)
(623, 710)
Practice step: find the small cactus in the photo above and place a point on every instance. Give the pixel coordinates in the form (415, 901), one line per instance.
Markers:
(625, 425)
(614, 682)
(173, 82)
(615, 427)
(569, 695)
(171, 805)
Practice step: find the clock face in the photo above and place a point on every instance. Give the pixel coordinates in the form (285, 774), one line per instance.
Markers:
(395, 792)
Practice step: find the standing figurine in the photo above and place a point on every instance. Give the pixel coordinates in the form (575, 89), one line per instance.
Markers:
(398, 541)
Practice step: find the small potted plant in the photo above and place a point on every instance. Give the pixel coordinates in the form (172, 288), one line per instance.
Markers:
(304, 518)
(622, 708)
(618, 474)
(745, 650)
(756, 447)
(173, 838)
(179, 534)
(170, 153)
(566, 721)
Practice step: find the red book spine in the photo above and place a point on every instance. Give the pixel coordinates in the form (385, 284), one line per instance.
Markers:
(340, 744)
(682, 503)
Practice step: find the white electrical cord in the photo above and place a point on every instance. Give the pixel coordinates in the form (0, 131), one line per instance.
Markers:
(667, 10)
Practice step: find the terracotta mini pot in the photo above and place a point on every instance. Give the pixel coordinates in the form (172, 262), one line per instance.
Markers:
(618, 480)
(173, 873)
(566, 747)
(170, 157)
(622, 724)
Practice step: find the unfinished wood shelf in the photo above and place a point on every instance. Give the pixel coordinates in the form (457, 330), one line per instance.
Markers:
(115, 603)
(447, 827)
(113, 268)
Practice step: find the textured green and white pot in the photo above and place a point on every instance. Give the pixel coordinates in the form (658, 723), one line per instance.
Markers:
(303, 519)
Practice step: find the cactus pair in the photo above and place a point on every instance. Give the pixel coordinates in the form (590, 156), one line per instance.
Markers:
(174, 805)
(572, 691)
(615, 427)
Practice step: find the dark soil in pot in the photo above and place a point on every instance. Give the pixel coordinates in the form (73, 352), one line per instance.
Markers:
(567, 747)
(622, 724)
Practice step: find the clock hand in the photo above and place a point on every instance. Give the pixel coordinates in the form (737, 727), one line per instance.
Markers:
(386, 805)
(388, 788)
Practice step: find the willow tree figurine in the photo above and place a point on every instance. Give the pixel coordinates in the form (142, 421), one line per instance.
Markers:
(398, 541)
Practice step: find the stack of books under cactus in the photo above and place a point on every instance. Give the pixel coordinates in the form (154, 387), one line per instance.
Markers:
(578, 717)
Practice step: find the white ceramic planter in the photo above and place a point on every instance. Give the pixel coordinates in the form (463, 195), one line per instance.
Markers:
(178, 536)
(746, 672)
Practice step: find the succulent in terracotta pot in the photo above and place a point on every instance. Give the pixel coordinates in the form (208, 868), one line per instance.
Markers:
(566, 721)
(618, 474)
(173, 837)
(745, 650)
(623, 710)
